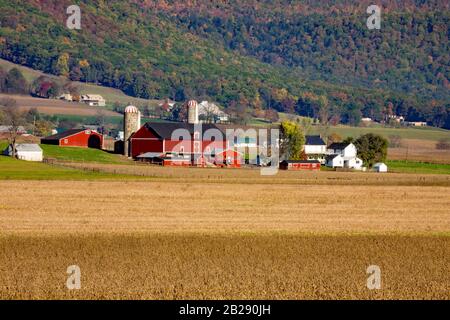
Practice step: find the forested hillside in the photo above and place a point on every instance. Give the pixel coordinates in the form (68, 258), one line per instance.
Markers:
(314, 58)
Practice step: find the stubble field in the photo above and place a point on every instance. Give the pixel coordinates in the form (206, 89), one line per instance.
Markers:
(286, 239)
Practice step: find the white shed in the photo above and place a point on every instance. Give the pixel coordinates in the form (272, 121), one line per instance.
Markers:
(26, 152)
(380, 167)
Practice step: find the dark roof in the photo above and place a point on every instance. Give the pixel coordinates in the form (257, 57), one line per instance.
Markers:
(314, 141)
(331, 157)
(64, 134)
(300, 161)
(338, 146)
(165, 130)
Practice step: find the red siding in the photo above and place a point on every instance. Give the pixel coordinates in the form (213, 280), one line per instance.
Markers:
(81, 139)
(141, 146)
(304, 166)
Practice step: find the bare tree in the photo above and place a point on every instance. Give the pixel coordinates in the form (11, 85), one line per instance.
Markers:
(14, 119)
(209, 111)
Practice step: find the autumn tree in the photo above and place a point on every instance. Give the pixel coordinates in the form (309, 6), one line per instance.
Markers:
(15, 82)
(334, 137)
(372, 148)
(292, 140)
(271, 116)
(62, 65)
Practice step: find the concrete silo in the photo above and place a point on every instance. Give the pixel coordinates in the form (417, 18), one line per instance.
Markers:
(131, 124)
(193, 116)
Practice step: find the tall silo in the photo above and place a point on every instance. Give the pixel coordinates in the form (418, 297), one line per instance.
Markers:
(193, 117)
(131, 124)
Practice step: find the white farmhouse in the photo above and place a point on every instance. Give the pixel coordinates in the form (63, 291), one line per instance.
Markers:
(343, 155)
(315, 148)
(26, 152)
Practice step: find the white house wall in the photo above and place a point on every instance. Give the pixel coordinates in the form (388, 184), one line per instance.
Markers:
(30, 156)
(310, 149)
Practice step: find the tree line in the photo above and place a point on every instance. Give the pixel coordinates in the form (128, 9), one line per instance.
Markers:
(303, 66)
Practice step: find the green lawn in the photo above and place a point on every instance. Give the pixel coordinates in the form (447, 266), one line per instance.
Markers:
(77, 154)
(81, 155)
(418, 167)
(11, 169)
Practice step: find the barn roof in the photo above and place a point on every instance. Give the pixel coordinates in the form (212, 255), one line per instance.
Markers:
(314, 141)
(165, 130)
(24, 147)
(339, 146)
(332, 156)
(66, 134)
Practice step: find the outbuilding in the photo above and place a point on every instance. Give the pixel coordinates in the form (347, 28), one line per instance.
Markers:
(26, 152)
(297, 165)
(380, 167)
(85, 138)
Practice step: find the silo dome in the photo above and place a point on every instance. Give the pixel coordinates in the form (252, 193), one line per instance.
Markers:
(131, 109)
(192, 104)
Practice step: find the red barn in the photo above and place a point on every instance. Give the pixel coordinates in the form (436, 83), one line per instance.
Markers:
(300, 165)
(181, 141)
(76, 138)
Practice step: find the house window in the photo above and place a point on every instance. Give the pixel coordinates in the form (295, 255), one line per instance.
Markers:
(181, 151)
(196, 135)
(66, 141)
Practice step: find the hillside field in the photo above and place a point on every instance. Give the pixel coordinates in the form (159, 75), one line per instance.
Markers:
(110, 94)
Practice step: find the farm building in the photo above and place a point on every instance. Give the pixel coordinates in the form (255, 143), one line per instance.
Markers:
(162, 138)
(93, 100)
(343, 155)
(380, 167)
(203, 144)
(76, 138)
(26, 152)
(295, 165)
(315, 148)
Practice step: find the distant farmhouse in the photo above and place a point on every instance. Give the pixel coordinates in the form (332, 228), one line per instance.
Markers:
(315, 149)
(66, 97)
(416, 123)
(93, 100)
(343, 155)
(26, 152)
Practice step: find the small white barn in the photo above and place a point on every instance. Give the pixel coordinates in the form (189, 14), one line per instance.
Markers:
(380, 167)
(26, 152)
